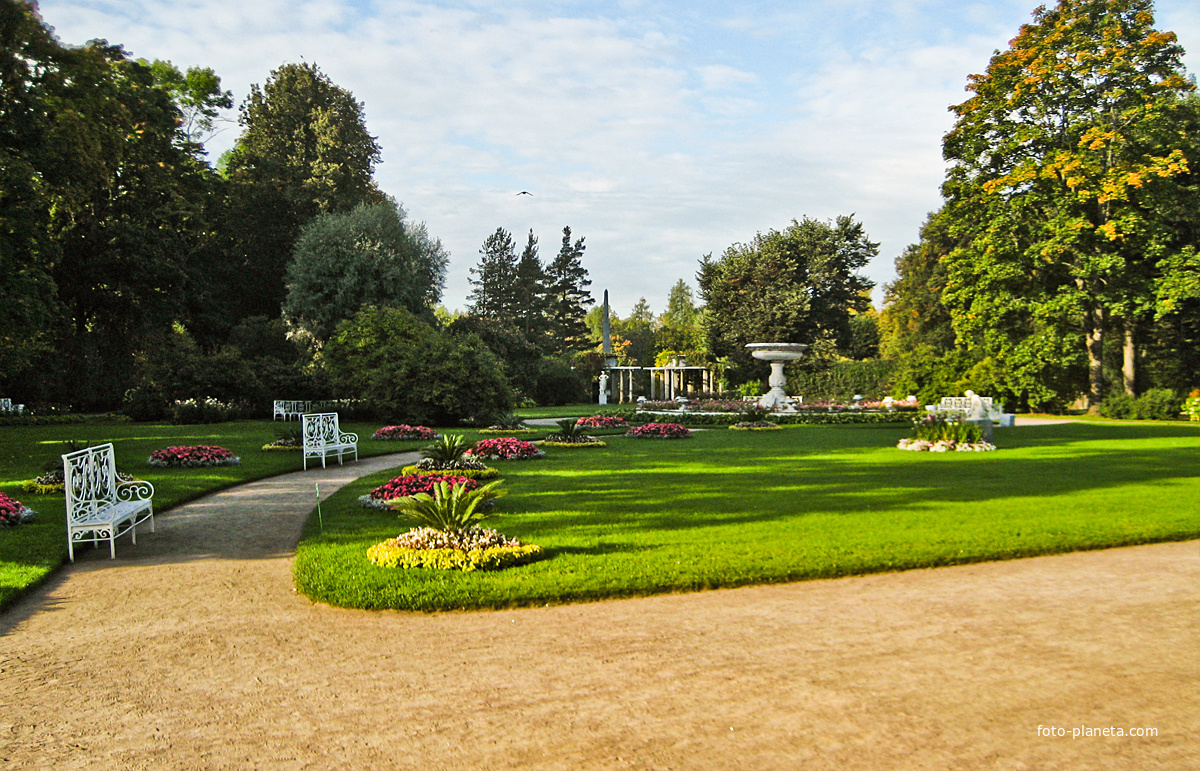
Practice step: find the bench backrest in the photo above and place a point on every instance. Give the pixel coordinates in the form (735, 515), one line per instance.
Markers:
(320, 429)
(6, 405)
(90, 475)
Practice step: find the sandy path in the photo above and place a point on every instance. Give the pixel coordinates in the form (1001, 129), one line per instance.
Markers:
(191, 650)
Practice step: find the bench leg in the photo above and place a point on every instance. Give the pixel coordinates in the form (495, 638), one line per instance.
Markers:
(70, 546)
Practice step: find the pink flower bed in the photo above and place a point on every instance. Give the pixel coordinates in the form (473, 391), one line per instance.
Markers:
(193, 457)
(602, 421)
(658, 431)
(405, 432)
(12, 512)
(505, 448)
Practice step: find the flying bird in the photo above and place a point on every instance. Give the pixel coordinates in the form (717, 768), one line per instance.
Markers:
(524, 192)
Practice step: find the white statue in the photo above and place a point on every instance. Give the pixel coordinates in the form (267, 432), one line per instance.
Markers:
(976, 410)
(603, 388)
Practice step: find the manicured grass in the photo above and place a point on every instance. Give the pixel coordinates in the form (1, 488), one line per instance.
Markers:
(31, 552)
(728, 508)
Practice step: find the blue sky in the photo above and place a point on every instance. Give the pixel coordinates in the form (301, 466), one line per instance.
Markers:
(659, 131)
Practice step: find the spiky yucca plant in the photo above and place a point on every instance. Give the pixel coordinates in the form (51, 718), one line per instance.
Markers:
(447, 449)
(450, 508)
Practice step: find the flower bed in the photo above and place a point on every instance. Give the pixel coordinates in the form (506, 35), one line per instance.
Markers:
(193, 457)
(756, 425)
(473, 548)
(397, 433)
(658, 431)
(580, 445)
(499, 431)
(409, 485)
(13, 512)
(461, 470)
(944, 445)
(507, 448)
(602, 421)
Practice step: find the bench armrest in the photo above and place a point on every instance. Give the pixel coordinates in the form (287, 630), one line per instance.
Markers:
(135, 490)
(352, 438)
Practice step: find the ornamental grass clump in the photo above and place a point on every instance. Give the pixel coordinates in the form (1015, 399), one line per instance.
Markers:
(505, 448)
(940, 433)
(508, 423)
(193, 457)
(403, 431)
(754, 418)
(658, 431)
(570, 434)
(448, 453)
(412, 484)
(13, 512)
(287, 440)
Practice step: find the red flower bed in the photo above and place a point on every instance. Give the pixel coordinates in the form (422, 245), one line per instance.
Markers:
(12, 512)
(403, 487)
(193, 457)
(505, 448)
(658, 431)
(602, 421)
(405, 432)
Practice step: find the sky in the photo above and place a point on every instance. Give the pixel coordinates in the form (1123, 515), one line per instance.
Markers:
(659, 131)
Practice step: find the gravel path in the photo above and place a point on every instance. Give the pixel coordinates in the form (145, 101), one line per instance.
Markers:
(192, 650)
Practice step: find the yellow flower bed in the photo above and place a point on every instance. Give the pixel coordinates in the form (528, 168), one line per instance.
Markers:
(572, 445)
(387, 555)
(469, 473)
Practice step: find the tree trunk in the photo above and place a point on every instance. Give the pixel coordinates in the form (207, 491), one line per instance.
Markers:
(1129, 365)
(1094, 331)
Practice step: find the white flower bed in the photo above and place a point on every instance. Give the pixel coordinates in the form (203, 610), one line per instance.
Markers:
(944, 445)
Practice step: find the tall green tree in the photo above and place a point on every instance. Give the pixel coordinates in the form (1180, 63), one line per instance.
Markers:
(529, 293)
(798, 285)
(494, 292)
(197, 94)
(679, 325)
(1068, 167)
(567, 296)
(368, 256)
(305, 150)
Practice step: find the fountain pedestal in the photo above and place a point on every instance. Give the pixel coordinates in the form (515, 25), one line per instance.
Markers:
(777, 354)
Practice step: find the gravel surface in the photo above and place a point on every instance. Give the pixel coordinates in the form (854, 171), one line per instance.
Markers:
(192, 650)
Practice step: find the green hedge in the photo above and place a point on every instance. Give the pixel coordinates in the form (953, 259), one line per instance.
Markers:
(798, 418)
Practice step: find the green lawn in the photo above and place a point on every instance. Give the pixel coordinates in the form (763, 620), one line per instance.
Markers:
(728, 508)
(31, 552)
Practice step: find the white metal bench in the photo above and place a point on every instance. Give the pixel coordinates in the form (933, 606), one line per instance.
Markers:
(6, 405)
(287, 409)
(323, 438)
(98, 503)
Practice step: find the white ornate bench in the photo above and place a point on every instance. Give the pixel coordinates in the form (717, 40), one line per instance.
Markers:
(323, 438)
(6, 405)
(98, 503)
(287, 409)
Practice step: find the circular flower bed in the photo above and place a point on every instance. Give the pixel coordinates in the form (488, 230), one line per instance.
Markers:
(466, 467)
(756, 425)
(658, 431)
(13, 512)
(396, 433)
(593, 443)
(409, 485)
(506, 448)
(944, 445)
(193, 457)
(602, 421)
(473, 548)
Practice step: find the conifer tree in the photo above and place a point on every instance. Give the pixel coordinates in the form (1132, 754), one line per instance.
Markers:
(567, 282)
(495, 289)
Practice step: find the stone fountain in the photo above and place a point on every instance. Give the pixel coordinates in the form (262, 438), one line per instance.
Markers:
(777, 354)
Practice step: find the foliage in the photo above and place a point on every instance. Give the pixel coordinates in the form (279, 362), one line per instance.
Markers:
(558, 382)
(842, 380)
(409, 370)
(1155, 404)
(206, 410)
(505, 448)
(493, 293)
(1068, 187)
(659, 431)
(936, 427)
(198, 96)
(450, 508)
(447, 448)
(801, 284)
(405, 431)
(1192, 406)
(679, 326)
(390, 554)
(568, 296)
(367, 256)
(520, 358)
(193, 457)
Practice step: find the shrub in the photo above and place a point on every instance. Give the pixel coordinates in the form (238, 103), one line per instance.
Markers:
(1158, 404)
(569, 432)
(1119, 406)
(558, 383)
(659, 431)
(1192, 405)
(404, 431)
(193, 457)
(13, 512)
(206, 410)
(451, 507)
(507, 448)
(408, 369)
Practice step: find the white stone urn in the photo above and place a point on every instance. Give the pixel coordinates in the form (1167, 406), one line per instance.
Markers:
(777, 354)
